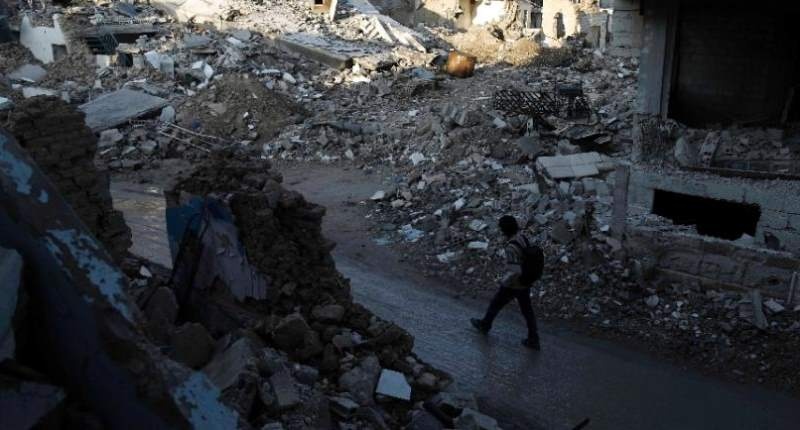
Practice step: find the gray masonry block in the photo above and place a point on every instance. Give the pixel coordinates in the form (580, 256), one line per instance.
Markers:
(773, 220)
(794, 223)
(766, 200)
(791, 204)
(721, 268)
(726, 191)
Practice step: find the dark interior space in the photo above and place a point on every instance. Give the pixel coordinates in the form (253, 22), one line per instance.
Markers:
(735, 64)
(716, 218)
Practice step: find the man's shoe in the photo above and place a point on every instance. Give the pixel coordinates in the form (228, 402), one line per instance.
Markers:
(478, 324)
(532, 344)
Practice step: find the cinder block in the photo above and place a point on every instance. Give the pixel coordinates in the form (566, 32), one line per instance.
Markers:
(794, 223)
(774, 220)
(726, 191)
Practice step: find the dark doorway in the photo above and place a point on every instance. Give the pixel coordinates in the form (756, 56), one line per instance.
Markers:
(734, 66)
(717, 218)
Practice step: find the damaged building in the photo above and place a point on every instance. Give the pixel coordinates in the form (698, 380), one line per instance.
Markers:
(718, 105)
(153, 159)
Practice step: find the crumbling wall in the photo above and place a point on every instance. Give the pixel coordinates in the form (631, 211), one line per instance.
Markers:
(780, 209)
(626, 26)
(713, 263)
(40, 40)
(457, 13)
(57, 138)
(564, 18)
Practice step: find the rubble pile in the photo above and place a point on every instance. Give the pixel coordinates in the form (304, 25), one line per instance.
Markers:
(667, 143)
(55, 135)
(307, 349)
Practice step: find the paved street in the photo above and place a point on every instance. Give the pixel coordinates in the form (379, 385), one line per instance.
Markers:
(573, 378)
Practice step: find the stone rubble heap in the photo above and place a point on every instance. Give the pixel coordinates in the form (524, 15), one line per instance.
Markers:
(306, 356)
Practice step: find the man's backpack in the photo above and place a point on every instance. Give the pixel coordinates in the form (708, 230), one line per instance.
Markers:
(532, 262)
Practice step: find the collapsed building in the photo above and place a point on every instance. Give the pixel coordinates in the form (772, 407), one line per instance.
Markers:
(671, 218)
(718, 115)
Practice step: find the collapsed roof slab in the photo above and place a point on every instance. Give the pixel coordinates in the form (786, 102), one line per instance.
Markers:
(118, 107)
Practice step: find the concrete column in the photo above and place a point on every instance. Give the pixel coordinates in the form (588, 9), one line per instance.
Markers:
(620, 213)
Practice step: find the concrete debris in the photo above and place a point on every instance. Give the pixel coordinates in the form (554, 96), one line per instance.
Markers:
(284, 390)
(28, 73)
(574, 165)
(393, 384)
(278, 81)
(29, 92)
(360, 381)
(118, 107)
(6, 104)
(226, 369)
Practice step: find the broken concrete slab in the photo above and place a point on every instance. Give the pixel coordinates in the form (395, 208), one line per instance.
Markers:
(393, 384)
(118, 107)
(10, 278)
(6, 104)
(574, 166)
(28, 73)
(24, 403)
(342, 406)
(315, 49)
(385, 28)
(360, 381)
(224, 370)
(29, 92)
(284, 389)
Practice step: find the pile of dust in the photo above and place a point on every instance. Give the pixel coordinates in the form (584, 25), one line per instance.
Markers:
(239, 107)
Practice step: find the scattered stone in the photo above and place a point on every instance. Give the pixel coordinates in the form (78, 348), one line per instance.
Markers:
(284, 390)
(328, 313)
(360, 381)
(393, 384)
(167, 115)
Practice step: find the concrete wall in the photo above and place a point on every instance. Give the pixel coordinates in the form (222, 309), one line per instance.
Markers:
(40, 40)
(489, 11)
(780, 205)
(734, 64)
(579, 16)
(713, 263)
(445, 12)
(568, 10)
(626, 26)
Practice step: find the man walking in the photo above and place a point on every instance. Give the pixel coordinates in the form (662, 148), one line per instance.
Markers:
(525, 261)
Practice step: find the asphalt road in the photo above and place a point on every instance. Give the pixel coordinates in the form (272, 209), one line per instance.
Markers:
(572, 378)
